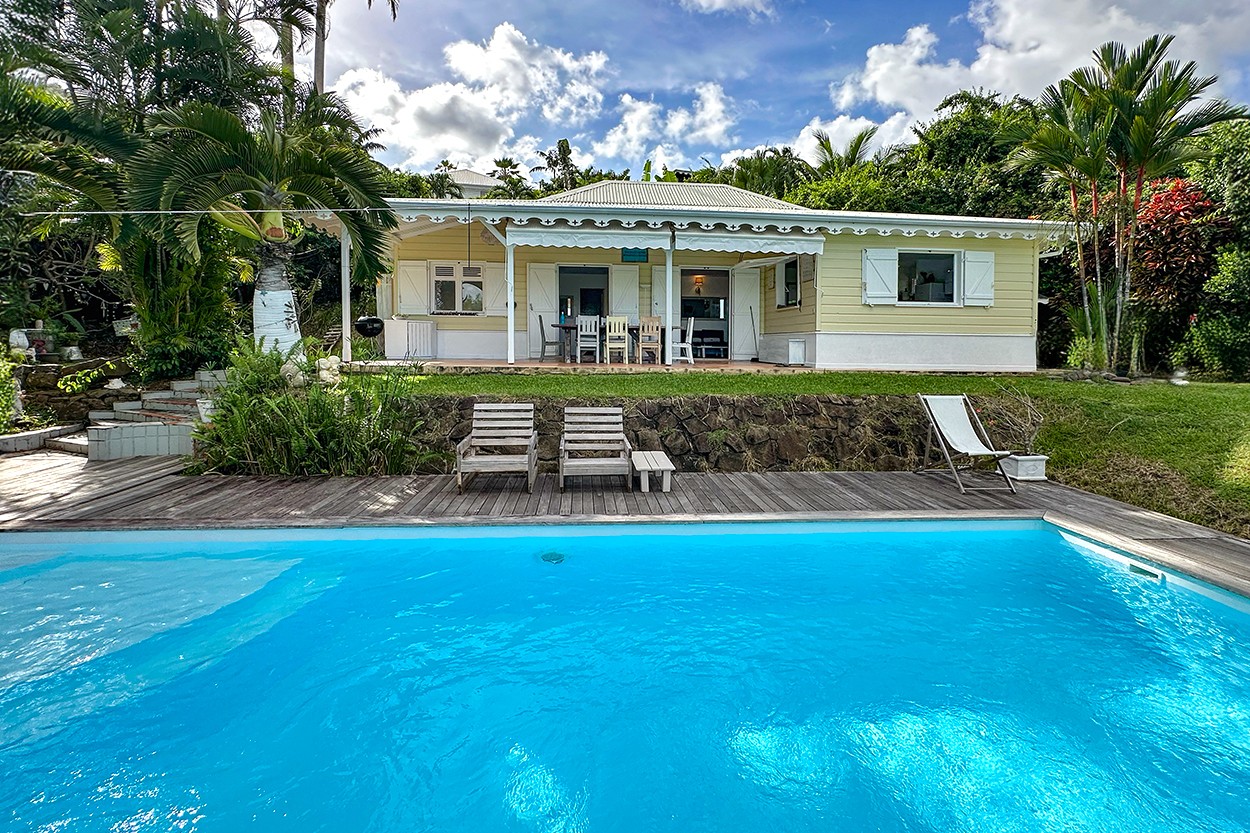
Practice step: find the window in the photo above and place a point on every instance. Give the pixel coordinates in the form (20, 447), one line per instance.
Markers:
(788, 283)
(458, 289)
(927, 277)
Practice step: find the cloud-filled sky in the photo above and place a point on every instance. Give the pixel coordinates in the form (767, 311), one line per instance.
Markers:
(680, 81)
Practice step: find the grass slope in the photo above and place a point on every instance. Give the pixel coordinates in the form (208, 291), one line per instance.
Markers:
(1183, 450)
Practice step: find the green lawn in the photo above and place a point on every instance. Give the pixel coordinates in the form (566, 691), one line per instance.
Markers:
(1184, 450)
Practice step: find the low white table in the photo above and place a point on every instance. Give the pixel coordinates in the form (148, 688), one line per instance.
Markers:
(648, 462)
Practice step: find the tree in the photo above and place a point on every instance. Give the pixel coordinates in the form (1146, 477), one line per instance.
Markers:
(831, 161)
(512, 188)
(207, 161)
(321, 30)
(506, 167)
(559, 166)
(772, 171)
(1155, 110)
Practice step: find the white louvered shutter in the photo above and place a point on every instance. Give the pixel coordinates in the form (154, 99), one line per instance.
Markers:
(978, 279)
(412, 284)
(880, 276)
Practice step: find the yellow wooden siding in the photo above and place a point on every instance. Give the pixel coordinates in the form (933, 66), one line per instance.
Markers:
(1015, 294)
(800, 319)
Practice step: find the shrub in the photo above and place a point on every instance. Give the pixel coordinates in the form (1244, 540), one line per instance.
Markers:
(269, 423)
(8, 394)
(1218, 339)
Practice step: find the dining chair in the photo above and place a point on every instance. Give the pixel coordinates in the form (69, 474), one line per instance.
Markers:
(685, 347)
(649, 341)
(587, 336)
(557, 343)
(617, 337)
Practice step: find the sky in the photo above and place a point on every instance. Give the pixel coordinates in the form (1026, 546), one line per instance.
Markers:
(683, 81)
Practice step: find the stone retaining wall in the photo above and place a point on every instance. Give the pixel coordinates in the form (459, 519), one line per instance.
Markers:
(729, 433)
(40, 391)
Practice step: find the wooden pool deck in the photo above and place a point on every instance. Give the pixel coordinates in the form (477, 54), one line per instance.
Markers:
(49, 490)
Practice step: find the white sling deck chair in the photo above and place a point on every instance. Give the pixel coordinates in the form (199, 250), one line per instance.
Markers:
(959, 433)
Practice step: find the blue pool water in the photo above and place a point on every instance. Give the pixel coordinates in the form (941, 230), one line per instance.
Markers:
(786, 677)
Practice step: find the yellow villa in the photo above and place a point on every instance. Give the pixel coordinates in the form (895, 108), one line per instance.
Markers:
(760, 279)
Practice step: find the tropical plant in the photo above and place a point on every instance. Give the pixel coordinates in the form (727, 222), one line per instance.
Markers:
(559, 166)
(831, 161)
(206, 161)
(265, 425)
(1156, 111)
(772, 171)
(512, 188)
(506, 167)
(321, 29)
(441, 186)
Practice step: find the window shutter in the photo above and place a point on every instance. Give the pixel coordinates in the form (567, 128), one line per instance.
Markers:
(623, 290)
(979, 279)
(657, 291)
(880, 276)
(495, 288)
(412, 282)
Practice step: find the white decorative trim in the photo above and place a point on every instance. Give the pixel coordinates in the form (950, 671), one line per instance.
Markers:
(587, 238)
(758, 242)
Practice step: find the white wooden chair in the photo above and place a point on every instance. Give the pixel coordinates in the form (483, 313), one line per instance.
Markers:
(649, 330)
(616, 337)
(684, 348)
(594, 442)
(587, 336)
(954, 424)
(499, 429)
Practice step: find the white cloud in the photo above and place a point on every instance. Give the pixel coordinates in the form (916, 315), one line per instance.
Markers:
(1027, 45)
(841, 129)
(472, 120)
(710, 122)
(647, 131)
(754, 7)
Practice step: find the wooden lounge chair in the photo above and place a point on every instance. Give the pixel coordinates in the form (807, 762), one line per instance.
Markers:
(960, 436)
(594, 442)
(499, 430)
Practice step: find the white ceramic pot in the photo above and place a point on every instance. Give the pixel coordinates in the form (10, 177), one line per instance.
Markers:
(1025, 467)
(206, 409)
(18, 340)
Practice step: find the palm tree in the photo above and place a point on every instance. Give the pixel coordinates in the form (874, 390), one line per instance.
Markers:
(206, 160)
(1070, 142)
(1151, 102)
(772, 171)
(559, 165)
(831, 161)
(506, 167)
(512, 188)
(441, 185)
(321, 30)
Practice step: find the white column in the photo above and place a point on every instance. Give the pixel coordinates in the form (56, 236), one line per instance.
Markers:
(345, 281)
(668, 302)
(510, 276)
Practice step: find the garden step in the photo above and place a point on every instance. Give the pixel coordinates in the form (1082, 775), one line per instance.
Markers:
(177, 406)
(99, 416)
(149, 415)
(70, 443)
(190, 386)
(212, 377)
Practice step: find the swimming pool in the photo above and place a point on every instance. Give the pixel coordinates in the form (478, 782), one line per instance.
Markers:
(973, 676)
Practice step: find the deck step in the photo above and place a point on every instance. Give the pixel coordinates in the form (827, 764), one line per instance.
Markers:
(70, 443)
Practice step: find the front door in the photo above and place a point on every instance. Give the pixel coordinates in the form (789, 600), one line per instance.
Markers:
(541, 292)
(744, 314)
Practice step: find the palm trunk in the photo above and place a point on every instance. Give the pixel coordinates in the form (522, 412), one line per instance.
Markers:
(1099, 290)
(1128, 267)
(275, 324)
(1080, 256)
(1121, 230)
(319, 46)
(286, 49)
(223, 9)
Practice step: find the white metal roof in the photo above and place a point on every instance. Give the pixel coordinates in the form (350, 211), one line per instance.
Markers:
(464, 176)
(630, 194)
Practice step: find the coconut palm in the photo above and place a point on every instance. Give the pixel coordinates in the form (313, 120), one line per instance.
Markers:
(208, 161)
(512, 188)
(772, 171)
(831, 161)
(506, 167)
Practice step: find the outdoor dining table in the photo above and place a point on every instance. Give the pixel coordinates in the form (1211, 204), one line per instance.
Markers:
(568, 334)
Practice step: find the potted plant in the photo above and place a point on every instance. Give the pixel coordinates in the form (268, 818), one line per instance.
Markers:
(1020, 421)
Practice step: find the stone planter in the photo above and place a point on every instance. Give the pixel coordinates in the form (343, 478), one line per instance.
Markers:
(206, 409)
(1025, 467)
